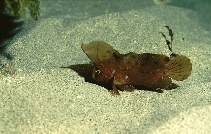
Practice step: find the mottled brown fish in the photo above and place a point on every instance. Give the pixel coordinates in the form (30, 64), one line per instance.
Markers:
(123, 71)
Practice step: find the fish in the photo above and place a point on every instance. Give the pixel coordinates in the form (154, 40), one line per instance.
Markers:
(125, 72)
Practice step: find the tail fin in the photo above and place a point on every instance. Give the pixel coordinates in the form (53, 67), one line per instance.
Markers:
(179, 67)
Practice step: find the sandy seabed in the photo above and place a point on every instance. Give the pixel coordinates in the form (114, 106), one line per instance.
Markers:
(41, 97)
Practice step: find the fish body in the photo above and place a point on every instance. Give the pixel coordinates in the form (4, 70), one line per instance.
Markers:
(146, 69)
(154, 71)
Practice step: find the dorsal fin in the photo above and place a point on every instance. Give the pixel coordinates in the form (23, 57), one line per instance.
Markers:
(99, 51)
(153, 59)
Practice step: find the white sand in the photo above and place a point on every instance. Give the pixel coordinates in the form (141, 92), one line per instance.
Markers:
(43, 98)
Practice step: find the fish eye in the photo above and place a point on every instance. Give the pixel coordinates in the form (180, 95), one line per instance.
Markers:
(97, 71)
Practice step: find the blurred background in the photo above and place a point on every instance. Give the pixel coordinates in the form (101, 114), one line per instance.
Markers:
(14, 12)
